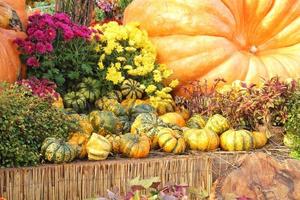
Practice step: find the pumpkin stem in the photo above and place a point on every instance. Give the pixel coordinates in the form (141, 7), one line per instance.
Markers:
(253, 49)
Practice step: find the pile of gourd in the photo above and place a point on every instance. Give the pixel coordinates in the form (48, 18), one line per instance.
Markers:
(134, 127)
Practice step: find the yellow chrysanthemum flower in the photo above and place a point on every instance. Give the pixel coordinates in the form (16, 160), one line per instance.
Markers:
(174, 83)
(130, 49)
(142, 86)
(167, 73)
(100, 65)
(127, 67)
(157, 76)
(167, 89)
(150, 89)
(117, 65)
(121, 58)
(114, 75)
(97, 48)
(102, 57)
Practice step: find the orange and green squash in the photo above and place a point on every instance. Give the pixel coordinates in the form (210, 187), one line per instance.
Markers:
(115, 141)
(79, 139)
(260, 139)
(237, 140)
(147, 124)
(131, 89)
(135, 146)
(105, 122)
(201, 139)
(173, 118)
(218, 124)
(58, 151)
(163, 106)
(196, 121)
(170, 141)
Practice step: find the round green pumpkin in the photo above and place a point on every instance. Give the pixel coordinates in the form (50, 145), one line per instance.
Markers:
(90, 89)
(58, 151)
(126, 123)
(240, 140)
(218, 124)
(139, 109)
(75, 101)
(196, 121)
(131, 89)
(105, 122)
(147, 124)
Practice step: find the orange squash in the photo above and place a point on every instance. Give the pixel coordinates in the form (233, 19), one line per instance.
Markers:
(233, 39)
(10, 64)
(173, 118)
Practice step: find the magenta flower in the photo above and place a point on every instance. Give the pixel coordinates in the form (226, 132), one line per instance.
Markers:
(19, 42)
(61, 25)
(45, 32)
(49, 47)
(34, 18)
(41, 48)
(30, 30)
(62, 17)
(29, 47)
(39, 35)
(68, 35)
(50, 34)
(33, 62)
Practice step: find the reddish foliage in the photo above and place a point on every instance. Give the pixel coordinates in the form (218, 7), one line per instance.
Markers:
(246, 107)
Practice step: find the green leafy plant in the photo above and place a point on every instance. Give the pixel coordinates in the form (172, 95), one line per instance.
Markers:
(292, 138)
(25, 121)
(43, 6)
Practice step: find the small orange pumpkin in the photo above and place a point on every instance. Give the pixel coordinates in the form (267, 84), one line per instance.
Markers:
(135, 146)
(260, 139)
(79, 139)
(232, 39)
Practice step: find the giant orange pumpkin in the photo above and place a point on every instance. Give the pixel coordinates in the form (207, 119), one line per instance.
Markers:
(10, 65)
(233, 39)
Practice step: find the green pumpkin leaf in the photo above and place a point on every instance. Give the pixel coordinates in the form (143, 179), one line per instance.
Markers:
(138, 183)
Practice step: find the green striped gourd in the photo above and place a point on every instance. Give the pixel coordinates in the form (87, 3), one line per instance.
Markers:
(58, 151)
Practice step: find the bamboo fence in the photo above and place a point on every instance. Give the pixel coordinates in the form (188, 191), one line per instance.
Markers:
(82, 180)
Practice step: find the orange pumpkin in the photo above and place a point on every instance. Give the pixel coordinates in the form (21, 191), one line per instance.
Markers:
(10, 64)
(235, 40)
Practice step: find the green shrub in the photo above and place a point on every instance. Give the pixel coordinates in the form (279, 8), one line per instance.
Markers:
(25, 121)
(293, 123)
